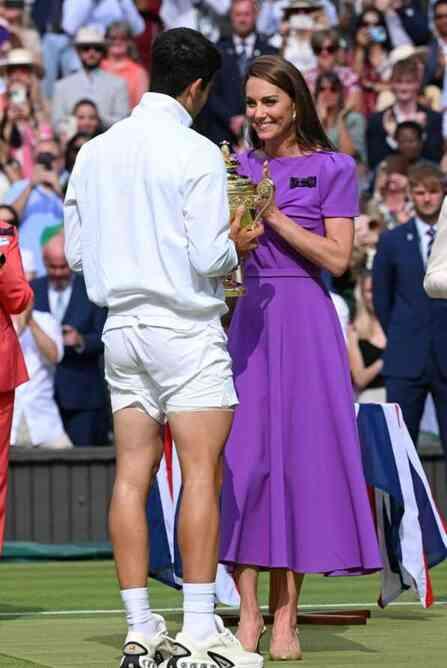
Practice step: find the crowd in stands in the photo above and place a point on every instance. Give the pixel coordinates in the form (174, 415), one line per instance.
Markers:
(69, 69)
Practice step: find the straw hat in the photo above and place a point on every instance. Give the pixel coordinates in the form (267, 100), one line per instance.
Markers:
(90, 35)
(23, 58)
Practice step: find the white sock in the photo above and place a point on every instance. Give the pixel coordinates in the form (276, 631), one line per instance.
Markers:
(198, 610)
(139, 615)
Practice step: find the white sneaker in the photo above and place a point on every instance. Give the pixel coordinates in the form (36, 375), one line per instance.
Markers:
(221, 650)
(142, 652)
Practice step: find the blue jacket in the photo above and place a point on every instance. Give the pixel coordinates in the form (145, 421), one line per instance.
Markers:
(79, 380)
(415, 324)
(227, 98)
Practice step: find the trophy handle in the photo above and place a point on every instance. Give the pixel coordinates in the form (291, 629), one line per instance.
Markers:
(265, 196)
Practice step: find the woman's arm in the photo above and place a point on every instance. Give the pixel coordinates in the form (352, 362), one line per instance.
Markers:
(332, 252)
(361, 374)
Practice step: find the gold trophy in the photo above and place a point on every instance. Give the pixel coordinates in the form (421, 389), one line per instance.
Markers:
(255, 198)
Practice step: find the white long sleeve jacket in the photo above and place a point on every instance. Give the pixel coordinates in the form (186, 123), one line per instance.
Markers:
(147, 218)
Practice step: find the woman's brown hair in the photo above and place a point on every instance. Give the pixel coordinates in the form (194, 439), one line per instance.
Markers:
(309, 132)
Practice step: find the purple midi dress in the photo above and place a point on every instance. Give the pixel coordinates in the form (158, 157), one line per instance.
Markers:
(294, 495)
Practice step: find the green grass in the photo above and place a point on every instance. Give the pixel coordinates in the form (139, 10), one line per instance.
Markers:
(396, 637)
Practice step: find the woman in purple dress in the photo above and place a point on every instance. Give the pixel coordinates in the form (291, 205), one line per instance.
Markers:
(294, 496)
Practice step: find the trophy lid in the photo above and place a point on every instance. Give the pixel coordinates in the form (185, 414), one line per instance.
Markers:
(235, 181)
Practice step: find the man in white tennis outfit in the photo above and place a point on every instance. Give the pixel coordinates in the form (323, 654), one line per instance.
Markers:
(147, 221)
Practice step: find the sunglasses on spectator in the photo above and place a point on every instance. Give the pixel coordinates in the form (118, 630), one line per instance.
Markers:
(331, 48)
(331, 88)
(91, 47)
(439, 17)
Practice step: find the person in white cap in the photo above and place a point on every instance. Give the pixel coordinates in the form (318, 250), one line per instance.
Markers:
(91, 82)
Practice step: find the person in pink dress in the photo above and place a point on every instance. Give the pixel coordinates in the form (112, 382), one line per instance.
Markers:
(120, 63)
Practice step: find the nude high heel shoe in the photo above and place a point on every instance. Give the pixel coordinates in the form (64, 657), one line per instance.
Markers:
(292, 652)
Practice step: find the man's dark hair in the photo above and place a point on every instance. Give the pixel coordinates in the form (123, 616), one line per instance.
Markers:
(411, 125)
(180, 57)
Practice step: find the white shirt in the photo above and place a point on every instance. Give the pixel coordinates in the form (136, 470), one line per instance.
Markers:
(78, 13)
(58, 309)
(424, 238)
(246, 44)
(147, 218)
(35, 399)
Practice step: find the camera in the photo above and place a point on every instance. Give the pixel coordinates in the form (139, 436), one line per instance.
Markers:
(46, 160)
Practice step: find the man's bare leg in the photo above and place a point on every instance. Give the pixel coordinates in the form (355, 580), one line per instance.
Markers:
(139, 449)
(200, 439)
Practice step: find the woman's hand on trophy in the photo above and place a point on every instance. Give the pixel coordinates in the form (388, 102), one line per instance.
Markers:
(245, 238)
(267, 209)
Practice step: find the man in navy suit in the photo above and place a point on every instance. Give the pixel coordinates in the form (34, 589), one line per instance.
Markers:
(223, 117)
(415, 359)
(80, 389)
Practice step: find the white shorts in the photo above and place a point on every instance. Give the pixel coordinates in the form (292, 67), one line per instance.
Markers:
(169, 369)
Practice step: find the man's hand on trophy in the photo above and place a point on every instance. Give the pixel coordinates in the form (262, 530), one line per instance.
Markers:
(245, 238)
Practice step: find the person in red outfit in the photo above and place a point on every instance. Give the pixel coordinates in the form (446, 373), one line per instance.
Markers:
(16, 296)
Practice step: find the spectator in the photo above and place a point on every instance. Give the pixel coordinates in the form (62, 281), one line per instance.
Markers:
(366, 344)
(391, 201)
(370, 56)
(325, 45)
(22, 69)
(87, 118)
(119, 61)
(437, 49)
(72, 149)
(36, 420)
(272, 14)
(21, 127)
(223, 117)
(78, 14)
(415, 359)
(409, 137)
(79, 383)
(405, 85)
(38, 201)
(150, 12)
(203, 15)
(406, 21)
(301, 19)
(13, 12)
(107, 91)
(345, 128)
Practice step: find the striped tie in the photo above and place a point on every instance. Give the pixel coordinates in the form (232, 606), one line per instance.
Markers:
(431, 233)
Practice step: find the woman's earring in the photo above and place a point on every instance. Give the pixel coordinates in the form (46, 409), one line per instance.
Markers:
(294, 115)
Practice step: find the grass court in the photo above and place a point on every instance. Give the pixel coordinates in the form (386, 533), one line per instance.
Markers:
(67, 615)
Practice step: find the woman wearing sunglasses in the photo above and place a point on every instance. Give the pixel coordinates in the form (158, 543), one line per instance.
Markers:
(326, 47)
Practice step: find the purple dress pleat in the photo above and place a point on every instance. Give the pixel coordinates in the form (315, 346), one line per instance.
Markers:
(294, 494)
